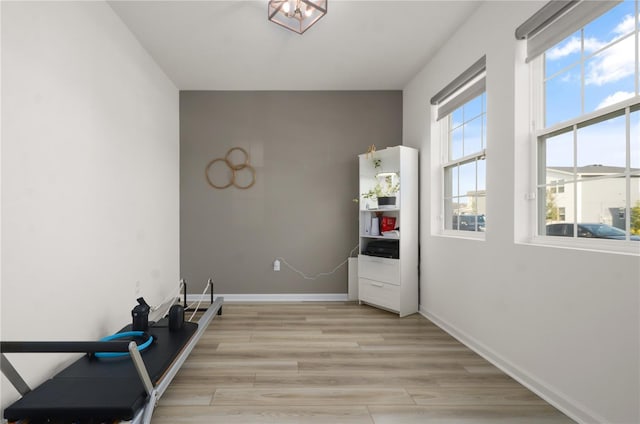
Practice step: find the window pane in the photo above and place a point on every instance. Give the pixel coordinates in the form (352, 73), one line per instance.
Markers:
(472, 209)
(559, 155)
(456, 118)
(451, 181)
(635, 141)
(635, 205)
(562, 95)
(467, 178)
(603, 144)
(472, 137)
(484, 131)
(614, 24)
(464, 205)
(563, 54)
(482, 175)
(559, 209)
(449, 211)
(455, 143)
(600, 201)
(610, 76)
(456, 207)
(481, 207)
(455, 185)
(473, 108)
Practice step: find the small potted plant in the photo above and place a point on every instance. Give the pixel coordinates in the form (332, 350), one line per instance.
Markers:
(385, 189)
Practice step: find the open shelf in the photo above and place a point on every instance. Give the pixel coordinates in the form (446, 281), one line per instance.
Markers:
(380, 237)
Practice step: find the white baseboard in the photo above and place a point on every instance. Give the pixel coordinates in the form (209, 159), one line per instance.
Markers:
(564, 403)
(280, 297)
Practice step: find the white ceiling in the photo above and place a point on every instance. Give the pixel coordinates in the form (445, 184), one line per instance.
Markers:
(230, 45)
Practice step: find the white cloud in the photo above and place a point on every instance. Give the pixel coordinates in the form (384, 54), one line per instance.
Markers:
(612, 64)
(573, 46)
(627, 25)
(617, 61)
(614, 98)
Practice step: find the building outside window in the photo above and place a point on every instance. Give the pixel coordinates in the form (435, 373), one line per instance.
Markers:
(588, 128)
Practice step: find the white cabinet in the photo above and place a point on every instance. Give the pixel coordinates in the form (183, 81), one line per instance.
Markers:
(388, 260)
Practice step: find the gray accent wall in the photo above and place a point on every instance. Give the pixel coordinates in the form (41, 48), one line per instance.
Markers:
(304, 147)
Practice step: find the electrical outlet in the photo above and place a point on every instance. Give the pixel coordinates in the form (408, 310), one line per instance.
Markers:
(137, 288)
(276, 265)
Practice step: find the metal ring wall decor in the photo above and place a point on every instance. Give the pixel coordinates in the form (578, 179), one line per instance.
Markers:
(234, 168)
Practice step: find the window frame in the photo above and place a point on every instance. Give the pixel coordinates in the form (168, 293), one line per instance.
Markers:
(539, 134)
(446, 163)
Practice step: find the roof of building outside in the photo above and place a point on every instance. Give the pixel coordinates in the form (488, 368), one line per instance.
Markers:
(592, 169)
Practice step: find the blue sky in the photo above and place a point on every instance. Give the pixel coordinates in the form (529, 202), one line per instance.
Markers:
(609, 77)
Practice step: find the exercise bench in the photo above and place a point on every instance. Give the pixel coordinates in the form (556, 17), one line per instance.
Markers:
(104, 389)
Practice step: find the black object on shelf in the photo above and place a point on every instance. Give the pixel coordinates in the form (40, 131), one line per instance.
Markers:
(383, 249)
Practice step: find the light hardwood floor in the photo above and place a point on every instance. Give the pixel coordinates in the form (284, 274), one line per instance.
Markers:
(340, 363)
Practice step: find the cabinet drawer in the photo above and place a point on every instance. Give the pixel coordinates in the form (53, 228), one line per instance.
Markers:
(379, 269)
(382, 294)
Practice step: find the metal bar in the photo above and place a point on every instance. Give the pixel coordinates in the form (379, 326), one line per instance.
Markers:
(142, 370)
(147, 412)
(211, 286)
(64, 347)
(144, 415)
(13, 376)
(137, 418)
(203, 323)
(184, 293)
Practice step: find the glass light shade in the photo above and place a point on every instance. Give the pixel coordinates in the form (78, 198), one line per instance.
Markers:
(299, 18)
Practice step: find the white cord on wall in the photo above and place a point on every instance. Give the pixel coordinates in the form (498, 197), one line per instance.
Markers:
(322, 274)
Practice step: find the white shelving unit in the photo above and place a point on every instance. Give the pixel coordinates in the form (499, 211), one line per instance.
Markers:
(390, 283)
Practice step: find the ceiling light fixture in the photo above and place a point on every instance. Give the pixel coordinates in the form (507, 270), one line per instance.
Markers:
(296, 15)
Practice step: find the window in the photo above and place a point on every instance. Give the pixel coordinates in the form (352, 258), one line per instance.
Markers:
(462, 115)
(465, 167)
(588, 126)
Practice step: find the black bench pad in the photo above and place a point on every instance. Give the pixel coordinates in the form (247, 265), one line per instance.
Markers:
(102, 388)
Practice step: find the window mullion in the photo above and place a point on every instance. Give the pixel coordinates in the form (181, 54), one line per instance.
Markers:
(578, 187)
(637, 52)
(458, 191)
(627, 178)
(582, 76)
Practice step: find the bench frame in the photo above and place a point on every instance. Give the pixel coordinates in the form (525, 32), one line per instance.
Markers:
(143, 416)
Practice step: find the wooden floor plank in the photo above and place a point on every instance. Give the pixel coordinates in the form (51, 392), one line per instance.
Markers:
(263, 415)
(313, 396)
(477, 414)
(340, 363)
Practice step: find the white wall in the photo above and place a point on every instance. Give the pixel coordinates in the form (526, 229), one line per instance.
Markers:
(565, 322)
(90, 201)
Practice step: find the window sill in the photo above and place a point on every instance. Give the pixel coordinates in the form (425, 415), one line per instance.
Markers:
(464, 235)
(619, 247)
